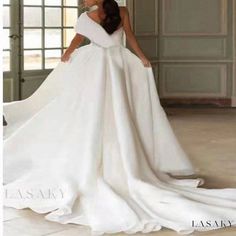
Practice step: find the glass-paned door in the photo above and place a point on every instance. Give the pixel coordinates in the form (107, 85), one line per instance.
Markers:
(47, 31)
(10, 53)
(36, 33)
(6, 33)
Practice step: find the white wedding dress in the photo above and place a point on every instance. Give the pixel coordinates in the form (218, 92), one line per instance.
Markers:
(93, 146)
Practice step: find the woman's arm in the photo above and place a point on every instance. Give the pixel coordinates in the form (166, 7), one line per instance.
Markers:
(131, 37)
(75, 42)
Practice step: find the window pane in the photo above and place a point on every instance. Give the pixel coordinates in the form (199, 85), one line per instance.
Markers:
(52, 16)
(6, 61)
(52, 38)
(6, 16)
(6, 1)
(70, 16)
(52, 57)
(6, 39)
(70, 2)
(53, 2)
(68, 36)
(32, 38)
(32, 60)
(32, 16)
(121, 2)
(32, 2)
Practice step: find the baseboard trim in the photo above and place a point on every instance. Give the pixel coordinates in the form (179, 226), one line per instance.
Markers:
(210, 102)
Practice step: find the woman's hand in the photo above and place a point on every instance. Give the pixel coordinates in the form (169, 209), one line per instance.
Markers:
(65, 57)
(76, 41)
(145, 62)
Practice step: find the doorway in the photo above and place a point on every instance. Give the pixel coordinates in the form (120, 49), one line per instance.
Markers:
(36, 33)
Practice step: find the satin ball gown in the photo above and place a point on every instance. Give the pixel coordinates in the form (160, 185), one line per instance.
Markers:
(93, 146)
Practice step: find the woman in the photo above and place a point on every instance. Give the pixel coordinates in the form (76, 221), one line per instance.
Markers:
(93, 145)
(99, 14)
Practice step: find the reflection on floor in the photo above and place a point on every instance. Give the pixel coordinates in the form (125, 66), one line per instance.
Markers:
(209, 138)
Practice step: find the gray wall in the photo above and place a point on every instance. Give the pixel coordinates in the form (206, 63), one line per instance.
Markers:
(234, 49)
(191, 44)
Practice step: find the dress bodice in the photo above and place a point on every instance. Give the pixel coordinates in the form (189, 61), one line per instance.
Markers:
(96, 33)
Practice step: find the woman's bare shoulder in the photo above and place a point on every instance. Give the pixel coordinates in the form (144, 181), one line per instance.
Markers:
(123, 11)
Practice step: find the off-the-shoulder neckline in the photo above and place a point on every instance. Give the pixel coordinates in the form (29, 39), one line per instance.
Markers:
(95, 22)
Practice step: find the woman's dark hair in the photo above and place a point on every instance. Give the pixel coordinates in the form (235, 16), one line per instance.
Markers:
(112, 19)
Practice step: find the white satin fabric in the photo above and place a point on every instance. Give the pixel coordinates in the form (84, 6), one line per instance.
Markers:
(93, 146)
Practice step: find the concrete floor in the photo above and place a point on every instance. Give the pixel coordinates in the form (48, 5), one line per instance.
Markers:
(208, 137)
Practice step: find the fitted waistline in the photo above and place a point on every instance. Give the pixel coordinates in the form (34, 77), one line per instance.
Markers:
(113, 46)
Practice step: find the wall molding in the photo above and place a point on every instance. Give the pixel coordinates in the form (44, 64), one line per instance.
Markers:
(173, 43)
(191, 61)
(215, 102)
(156, 30)
(223, 28)
(233, 103)
(223, 82)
